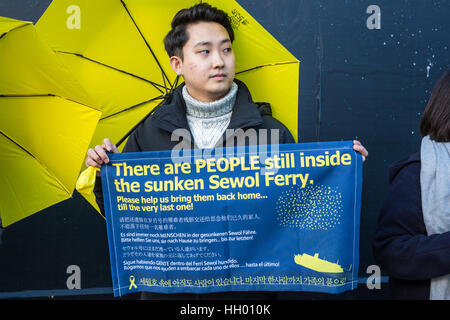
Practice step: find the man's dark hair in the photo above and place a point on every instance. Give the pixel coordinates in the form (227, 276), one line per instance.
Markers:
(203, 12)
(435, 120)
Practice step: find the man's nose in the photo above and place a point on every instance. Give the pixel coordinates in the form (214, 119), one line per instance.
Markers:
(218, 61)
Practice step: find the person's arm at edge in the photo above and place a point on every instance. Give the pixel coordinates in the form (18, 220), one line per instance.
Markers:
(401, 245)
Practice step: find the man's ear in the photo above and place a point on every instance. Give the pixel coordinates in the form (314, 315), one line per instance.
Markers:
(177, 65)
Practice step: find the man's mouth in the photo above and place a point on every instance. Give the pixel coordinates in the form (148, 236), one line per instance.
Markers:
(219, 76)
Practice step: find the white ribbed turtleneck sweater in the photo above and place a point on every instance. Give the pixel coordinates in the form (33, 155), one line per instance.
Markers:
(209, 120)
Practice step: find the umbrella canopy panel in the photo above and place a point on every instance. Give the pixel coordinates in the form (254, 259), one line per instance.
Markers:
(45, 128)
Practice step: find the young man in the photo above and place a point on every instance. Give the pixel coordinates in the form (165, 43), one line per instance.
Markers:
(209, 105)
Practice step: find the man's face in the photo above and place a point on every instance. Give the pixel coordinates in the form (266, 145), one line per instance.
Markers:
(208, 64)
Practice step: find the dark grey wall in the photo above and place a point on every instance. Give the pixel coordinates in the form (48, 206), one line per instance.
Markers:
(355, 82)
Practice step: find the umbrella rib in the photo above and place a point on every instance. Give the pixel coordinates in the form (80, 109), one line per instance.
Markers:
(31, 155)
(164, 97)
(26, 95)
(44, 95)
(148, 46)
(175, 84)
(143, 119)
(28, 152)
(15, 28)
(154, 84)
(267, 65)
(132, 107)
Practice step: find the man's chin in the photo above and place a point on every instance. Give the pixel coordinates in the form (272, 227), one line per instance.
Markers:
(219, 94)
(220, 88)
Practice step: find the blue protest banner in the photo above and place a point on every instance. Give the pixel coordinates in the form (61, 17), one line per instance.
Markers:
(278, 218)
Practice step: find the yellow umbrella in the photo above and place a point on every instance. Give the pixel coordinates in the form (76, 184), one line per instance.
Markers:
(45, 126)
(115, 49)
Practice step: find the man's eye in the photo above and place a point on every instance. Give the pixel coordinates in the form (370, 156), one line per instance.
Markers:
(227, 50)
(204, 51)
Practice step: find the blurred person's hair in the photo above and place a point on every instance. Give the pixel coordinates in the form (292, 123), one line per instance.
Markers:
(435, 121)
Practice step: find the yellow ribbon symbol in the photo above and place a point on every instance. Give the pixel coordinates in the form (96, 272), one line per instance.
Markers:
(132, 283)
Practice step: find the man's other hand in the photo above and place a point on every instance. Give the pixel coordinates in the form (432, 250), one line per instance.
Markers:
(358, 147)
(97, 156)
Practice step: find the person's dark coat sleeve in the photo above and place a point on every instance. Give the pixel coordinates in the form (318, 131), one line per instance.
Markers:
(401, 246)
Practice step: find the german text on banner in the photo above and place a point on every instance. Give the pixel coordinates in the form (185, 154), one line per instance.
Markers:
(267, 218)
